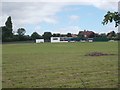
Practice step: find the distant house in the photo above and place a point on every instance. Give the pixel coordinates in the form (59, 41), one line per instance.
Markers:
(86, 34)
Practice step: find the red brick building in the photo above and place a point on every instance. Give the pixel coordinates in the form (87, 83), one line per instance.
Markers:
(86, 34)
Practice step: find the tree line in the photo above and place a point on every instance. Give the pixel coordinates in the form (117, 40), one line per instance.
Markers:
(8, 34)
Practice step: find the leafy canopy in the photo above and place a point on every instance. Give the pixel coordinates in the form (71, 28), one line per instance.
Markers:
(110, 17)
(21, 31)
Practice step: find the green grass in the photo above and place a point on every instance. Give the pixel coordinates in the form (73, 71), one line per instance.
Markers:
(59, 65)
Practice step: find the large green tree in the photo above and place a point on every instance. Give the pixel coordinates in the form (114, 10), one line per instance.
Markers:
(56, 35)
(69, 35)
(110, 17)
(8, 23)
(47, 36)
(35, 35)
(111, 34)
(21, 31)
(21, 34)
(7, 30)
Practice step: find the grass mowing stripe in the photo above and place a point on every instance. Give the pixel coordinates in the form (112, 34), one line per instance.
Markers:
(59, 65)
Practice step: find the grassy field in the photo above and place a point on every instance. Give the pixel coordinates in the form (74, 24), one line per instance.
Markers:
(59, 65)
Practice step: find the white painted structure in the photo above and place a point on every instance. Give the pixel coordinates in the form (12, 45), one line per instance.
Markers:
(111, 41)
(90, 40)
(63, 41)
(55, 39)
(72, 41)
(82, 41)
(39, 40)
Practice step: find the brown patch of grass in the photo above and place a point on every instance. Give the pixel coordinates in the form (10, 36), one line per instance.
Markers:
(98, 54)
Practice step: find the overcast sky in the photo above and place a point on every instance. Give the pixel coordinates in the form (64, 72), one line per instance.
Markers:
(58, 16)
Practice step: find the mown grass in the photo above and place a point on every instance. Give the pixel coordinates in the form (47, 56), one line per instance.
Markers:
(59, 65)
